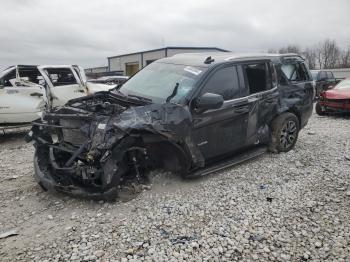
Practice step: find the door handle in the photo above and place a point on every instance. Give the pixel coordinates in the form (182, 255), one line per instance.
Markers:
(269, 101)
(241, 109)
(36, 94)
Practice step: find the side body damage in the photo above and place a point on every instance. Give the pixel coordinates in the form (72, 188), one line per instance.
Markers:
(98, 145)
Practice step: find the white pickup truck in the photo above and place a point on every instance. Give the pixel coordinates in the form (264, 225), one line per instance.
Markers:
(25, 90)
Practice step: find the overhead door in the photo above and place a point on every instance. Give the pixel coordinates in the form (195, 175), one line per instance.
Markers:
(131, 68)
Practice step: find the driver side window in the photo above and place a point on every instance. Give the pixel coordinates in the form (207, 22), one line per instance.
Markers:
(223, 82)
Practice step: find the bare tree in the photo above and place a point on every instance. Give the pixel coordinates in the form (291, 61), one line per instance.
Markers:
(344, 59)
(324, 55)
(330, 53)
(290, 49)
(272, 51)
(310, 55)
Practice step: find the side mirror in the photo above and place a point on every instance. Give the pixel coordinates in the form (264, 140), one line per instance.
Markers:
(209, 101)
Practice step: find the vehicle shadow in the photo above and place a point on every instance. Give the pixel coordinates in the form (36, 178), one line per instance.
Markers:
(345, 116)
(14, 135)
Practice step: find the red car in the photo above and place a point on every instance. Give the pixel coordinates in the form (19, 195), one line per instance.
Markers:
(336, 99)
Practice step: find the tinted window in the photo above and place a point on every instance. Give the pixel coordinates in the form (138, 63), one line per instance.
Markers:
(258, 77)
(61, 76)
(322, 75)
(330, 75)
(314, 75)
(295, 72)
(223, 82)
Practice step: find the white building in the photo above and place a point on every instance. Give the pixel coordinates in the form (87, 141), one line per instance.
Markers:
(340, 72)
(133, 62)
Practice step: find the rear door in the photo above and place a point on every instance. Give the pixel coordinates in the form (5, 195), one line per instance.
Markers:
(220, 131)
(21, 100)
(63, 83)
(261, 90)
(296, 88)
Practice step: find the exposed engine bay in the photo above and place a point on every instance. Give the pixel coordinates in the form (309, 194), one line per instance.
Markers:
(87, 147)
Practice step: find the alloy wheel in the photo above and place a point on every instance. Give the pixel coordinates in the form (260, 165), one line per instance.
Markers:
(288, 134)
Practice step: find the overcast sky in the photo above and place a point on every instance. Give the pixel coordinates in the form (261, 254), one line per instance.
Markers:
(86, 32)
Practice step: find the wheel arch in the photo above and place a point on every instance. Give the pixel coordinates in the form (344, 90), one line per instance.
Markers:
(171, 154)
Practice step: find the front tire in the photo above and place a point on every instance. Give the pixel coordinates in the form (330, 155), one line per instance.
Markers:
(285, 129)
(319, 110)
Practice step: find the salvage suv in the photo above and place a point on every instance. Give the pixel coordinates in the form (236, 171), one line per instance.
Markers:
(191, 113)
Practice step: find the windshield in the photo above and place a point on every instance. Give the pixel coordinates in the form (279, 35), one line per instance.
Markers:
(158, 80)
(345, 84)
(5, 72)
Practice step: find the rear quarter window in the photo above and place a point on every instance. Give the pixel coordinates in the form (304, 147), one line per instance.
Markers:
(295, 72)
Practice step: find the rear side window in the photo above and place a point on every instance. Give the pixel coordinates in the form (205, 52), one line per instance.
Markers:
(295, 72)
(330, 75)
(258, 77)
(223, 82)
(61, 76)
(322, 75)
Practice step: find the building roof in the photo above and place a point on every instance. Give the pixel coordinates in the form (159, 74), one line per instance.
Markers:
(172, 47)
(197, 59)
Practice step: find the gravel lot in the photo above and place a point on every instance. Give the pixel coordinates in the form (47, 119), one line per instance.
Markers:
(283, 207)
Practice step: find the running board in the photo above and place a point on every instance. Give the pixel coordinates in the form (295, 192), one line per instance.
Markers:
(236, 159)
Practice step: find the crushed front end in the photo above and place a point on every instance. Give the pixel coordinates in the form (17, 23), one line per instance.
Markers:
(93, 146)
(76, 149)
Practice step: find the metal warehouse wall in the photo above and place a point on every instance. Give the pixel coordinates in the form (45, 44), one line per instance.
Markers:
(118, 63)
(340, 72)
(153, 56)
(172, 52)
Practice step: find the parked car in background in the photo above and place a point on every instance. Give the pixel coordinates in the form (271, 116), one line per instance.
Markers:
(336, 99)
(322, 80)
(192, 114)
(110, 80)
(25, 90)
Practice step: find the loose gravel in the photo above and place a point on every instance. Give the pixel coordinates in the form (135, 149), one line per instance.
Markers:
(291, 206)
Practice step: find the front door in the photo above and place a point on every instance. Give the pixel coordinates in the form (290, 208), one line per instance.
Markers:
(21, 100)
(220, 131)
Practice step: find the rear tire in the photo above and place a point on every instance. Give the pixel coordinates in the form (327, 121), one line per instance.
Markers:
(318, 109)
(284, 133)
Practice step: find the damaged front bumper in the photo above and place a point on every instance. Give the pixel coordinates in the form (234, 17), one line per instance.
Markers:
(48, 183)
(93, 147)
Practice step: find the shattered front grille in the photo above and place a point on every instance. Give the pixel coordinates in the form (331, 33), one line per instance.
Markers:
(72, 133)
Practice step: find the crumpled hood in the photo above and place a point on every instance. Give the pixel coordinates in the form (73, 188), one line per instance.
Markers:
(337, 94)
(107, 118)
(167, 118)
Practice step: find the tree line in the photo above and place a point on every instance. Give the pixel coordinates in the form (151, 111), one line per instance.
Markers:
(324, 55)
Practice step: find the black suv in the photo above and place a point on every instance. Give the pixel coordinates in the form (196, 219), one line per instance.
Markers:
(323, 80)
(191, 113)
